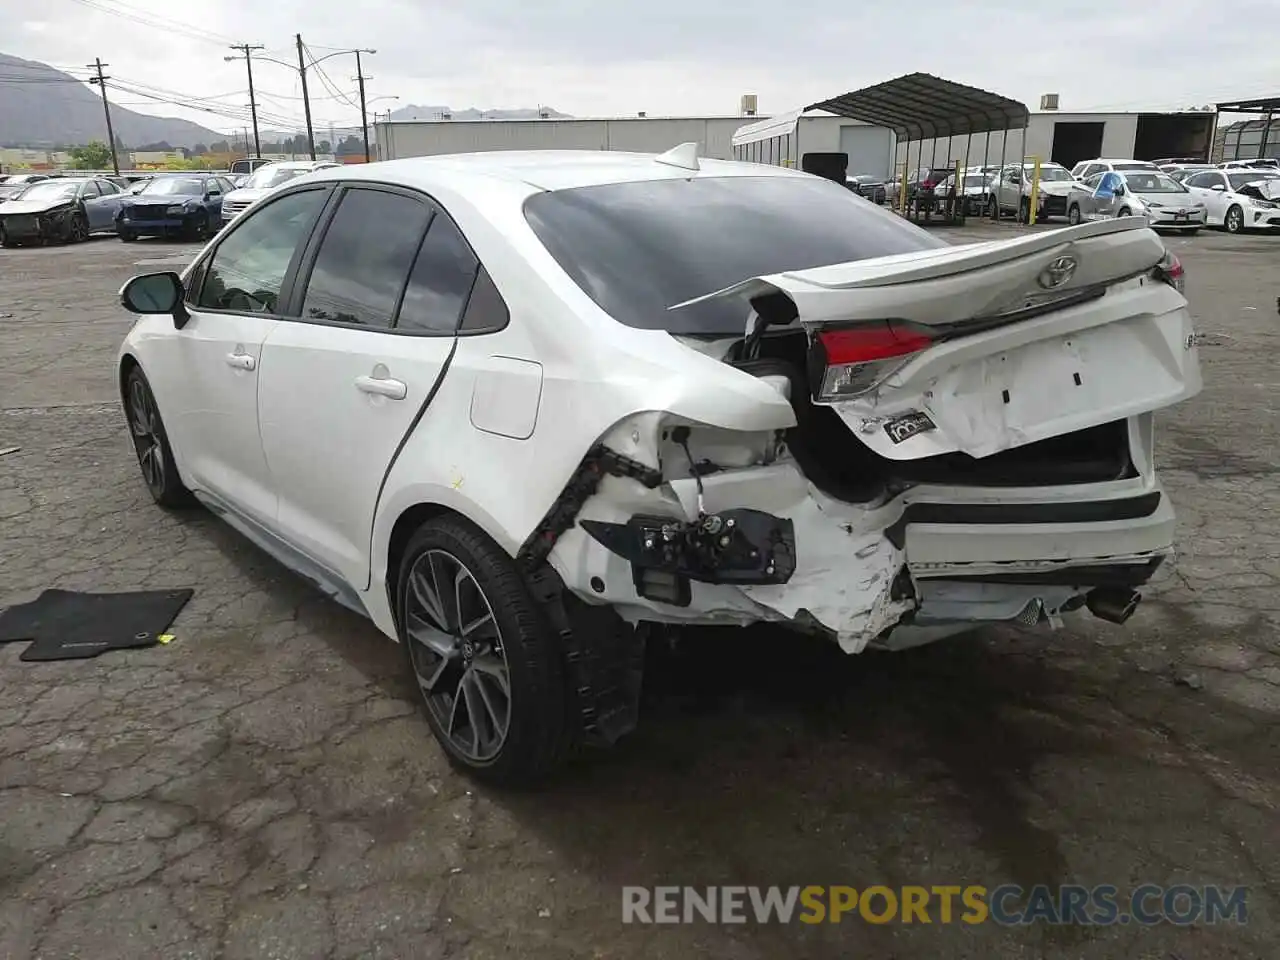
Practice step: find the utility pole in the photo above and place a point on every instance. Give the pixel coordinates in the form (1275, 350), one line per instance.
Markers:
(101, 81)
(306, 102)
(364, 116)
(247, 49)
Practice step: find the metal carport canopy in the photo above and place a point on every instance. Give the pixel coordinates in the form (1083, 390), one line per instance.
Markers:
(914, 106)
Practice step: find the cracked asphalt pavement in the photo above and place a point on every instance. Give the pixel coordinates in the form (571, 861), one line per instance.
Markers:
(263, 786)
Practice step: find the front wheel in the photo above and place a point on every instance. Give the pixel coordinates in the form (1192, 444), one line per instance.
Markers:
(199, 228)
(1073, 215)
(1192, 232)
(1124, 212)
(1234, 221)
(1024, 211)
(151, 443)
(993, 208)
(128, 236)
(486, 665)
(79, 231)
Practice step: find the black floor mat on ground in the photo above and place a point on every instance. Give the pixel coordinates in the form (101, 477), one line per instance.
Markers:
(67, 625)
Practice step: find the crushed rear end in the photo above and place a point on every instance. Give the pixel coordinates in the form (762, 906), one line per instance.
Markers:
(972, 441)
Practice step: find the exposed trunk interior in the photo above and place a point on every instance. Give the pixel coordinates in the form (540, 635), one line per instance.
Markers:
(841, 465)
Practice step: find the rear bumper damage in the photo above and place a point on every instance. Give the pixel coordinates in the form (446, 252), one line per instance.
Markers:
(768, 547)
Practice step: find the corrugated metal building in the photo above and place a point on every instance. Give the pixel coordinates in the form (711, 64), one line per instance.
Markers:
(1064, 137)
(870, 148)
(1068, 138)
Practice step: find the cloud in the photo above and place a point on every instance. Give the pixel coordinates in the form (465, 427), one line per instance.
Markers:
(666, 57)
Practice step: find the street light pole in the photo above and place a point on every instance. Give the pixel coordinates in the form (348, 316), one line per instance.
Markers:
(364, 116)
(306, 102)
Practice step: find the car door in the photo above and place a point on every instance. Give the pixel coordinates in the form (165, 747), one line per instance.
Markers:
(345, 381)
(90, 196)
(102, 211)
(206, 378)
(213, 194)
(1210, 188)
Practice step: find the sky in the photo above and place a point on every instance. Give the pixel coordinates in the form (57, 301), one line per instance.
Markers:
(664, 57)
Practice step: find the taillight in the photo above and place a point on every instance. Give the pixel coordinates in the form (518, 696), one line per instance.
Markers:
(1171, 272)
(848, 362)
(927, 185)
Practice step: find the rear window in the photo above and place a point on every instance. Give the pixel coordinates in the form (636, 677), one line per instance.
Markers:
(638, 248)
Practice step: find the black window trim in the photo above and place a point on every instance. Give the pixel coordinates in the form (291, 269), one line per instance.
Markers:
(200, 267)
(293, 306)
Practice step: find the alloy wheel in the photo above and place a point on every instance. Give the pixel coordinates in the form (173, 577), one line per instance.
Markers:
(144, 425)
(458, 656)
(1235, 220)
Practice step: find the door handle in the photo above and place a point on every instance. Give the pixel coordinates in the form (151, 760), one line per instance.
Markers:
(382, 387)
(241, 361)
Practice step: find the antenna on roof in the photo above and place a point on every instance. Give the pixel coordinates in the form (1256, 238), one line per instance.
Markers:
(685, 156)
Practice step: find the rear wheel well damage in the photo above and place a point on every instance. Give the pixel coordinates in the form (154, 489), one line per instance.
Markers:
(603, 655)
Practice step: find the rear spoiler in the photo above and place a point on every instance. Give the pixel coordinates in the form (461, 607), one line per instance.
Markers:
(926, 264)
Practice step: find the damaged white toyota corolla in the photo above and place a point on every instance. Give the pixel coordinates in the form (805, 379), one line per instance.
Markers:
(516, 407)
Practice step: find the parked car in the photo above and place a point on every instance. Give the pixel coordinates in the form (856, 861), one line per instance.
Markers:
(264, 180)
(1011, 191)
(1166, 203)
(976, 189)
(188, 205)
(1087, 168)
(247, 165)
(510, 405)
(867, 185)
(15, 183)
(1237, 199)
(1180, 173)
(62, 209)
(1258, 163)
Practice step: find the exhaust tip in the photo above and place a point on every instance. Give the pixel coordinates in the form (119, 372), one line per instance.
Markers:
(1113, 604)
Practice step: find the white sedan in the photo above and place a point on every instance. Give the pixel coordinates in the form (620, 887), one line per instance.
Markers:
(1238, 200)
(518, 407)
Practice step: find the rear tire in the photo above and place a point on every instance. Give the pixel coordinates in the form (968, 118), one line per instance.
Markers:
(151, 443)
(470, 632)
(993, 208)
(128, 236)
(1124, 212)
(1024, 211)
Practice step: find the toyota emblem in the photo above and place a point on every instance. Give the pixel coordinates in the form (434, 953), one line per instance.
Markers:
(1057, 273)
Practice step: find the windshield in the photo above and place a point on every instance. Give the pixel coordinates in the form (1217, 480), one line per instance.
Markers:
(1153, 183)
(47, 190)
(272, 177)
(975, 181)
(1238, 180)
(182, 186)
(1054, 174)
(638, 248)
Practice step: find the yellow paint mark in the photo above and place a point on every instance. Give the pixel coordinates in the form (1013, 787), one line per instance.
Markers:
(165, 638)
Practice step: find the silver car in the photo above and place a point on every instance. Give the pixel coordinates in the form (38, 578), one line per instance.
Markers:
(1166, 203)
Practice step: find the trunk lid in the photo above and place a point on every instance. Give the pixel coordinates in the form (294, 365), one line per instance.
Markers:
(1010, 341)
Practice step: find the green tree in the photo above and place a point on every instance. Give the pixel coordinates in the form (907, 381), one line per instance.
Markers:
(95, 155)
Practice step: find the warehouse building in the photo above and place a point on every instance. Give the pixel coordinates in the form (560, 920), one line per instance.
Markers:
(422, 138)
(1065, 138)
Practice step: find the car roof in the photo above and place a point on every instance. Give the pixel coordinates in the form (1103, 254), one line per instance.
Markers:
(545, 169)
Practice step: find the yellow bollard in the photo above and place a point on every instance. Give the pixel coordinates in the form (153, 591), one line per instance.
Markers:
(1034, 201)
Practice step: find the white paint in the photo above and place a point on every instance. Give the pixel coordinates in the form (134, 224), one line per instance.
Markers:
(505, 398)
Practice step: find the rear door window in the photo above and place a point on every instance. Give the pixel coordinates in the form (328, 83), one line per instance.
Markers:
(441, 282)
(364, 260)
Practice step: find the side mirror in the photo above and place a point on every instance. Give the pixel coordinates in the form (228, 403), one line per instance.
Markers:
(156, 293)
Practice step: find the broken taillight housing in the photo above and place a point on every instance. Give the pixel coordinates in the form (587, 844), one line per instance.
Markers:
(850, 361)
(1171, 272)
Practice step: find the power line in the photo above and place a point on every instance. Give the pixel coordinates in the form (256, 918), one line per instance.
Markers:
(146, 18)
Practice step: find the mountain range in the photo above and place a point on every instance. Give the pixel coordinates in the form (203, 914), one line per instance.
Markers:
(44, 107)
